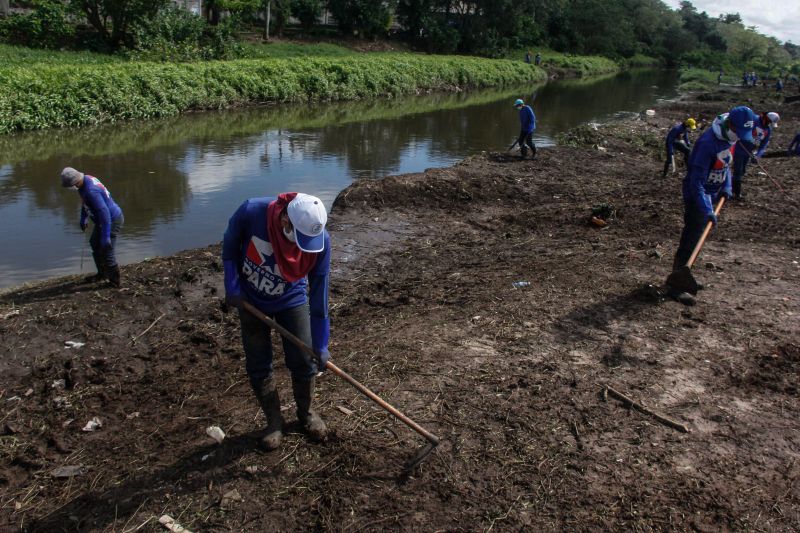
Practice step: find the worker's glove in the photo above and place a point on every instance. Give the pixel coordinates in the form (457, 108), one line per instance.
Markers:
(83, 226)
(712, 218)
(322, 358)
(234, 300)
(105, 242)
(726, 194)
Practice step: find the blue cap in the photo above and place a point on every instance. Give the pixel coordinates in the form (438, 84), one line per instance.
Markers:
(519, 102)
(742, 119)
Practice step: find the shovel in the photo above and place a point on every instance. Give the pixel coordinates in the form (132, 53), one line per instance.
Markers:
(682, 278)
(433, 440)
(512, 146)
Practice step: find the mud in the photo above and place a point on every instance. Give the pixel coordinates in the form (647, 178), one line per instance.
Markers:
(424, 311)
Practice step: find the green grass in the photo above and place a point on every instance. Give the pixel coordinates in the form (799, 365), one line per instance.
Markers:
(18, 56)
(47, 93)
(579, 65)
(695, 79)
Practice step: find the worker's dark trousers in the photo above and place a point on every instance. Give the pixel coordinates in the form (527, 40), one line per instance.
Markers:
(740, 160)
(105, 258)
(681, 147)
(526, 139)
(694, 222)
(258, 344)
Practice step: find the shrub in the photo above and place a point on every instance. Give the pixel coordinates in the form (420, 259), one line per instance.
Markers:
(47, 26)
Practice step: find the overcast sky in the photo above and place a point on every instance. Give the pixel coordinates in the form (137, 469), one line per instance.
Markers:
(778, 18)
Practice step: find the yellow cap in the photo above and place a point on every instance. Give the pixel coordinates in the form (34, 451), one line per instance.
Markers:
(690, 123)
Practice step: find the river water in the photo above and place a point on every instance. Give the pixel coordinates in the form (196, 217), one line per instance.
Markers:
(178, 180)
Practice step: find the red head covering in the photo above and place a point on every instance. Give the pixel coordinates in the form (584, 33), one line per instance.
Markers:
(294, 263)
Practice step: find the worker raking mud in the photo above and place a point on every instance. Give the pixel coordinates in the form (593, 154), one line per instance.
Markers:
(100, 208)
(276, 253)
(678, 139)
(708, 179)
(762, 133)
(527, 120)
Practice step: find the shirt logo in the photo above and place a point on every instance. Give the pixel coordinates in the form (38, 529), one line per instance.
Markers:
(260, 270)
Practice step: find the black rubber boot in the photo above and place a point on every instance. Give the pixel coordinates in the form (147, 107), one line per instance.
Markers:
(114, 276)
(94, 278)
(267, 396)
(682, 297)
(309, 419)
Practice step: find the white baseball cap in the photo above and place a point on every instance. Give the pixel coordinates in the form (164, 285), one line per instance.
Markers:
(308, 216)
(773, 118)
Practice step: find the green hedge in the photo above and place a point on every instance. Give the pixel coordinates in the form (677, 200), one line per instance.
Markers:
(45, 95)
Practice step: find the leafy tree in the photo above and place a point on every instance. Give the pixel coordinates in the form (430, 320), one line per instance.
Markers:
(367, 18)
(114, 20)
(307, 12)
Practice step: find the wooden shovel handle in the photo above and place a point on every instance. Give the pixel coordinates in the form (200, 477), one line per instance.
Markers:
(250, 308)
(704, 236)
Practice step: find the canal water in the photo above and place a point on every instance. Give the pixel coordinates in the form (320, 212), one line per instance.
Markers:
(178, 180)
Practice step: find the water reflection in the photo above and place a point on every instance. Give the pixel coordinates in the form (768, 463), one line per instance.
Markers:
(178, 180)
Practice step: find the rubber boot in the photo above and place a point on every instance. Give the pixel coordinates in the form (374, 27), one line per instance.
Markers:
(267, 396)
(682, 297)
(100, 270)
(309, 419)
(523, 151)
(114, 276)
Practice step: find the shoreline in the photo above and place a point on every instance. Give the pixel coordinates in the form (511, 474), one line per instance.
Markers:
(424, 310)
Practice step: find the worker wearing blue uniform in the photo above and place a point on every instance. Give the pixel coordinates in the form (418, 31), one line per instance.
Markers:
(762, 133)
(276, 255)
(100, 208)
(527, 121)
(707, 179)
(678, 139)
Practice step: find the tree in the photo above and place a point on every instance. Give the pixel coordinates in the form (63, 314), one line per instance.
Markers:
(367, 18)
(307, 12)
(114, 19)
(4, 8)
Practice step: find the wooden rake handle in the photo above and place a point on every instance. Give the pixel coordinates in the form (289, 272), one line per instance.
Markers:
(704, 236)
(433, 439)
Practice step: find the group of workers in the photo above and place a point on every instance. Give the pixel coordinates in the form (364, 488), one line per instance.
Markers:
(715, 168)
(276, 251)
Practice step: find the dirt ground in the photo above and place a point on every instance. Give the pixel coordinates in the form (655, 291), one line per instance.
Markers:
(424, 312)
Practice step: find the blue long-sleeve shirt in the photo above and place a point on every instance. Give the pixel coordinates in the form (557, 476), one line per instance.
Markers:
(527, 119)
(676, 131)
(98, 206)
(251, 270)
(709, 173)
(762, 134)
(794, 147)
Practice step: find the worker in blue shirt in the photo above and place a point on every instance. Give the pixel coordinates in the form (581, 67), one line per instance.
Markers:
(276, 255)
(708, 179)
(762, 133)
(678, 139)
(527, 126)
(100, 208)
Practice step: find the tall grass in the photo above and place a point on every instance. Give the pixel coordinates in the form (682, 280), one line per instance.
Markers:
(44, 95)
(578, 65)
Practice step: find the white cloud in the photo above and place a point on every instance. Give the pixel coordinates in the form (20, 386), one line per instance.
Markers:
(777, 18)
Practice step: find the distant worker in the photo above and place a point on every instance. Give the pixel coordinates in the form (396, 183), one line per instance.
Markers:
(528, 57)
(527, 121)
(678, 139)
(779, 86)
(794, 147)
(719, 77)
(745, 79)
(708, 179)
(538, 59)
(100, 208)
(276, 255)
(762, 133)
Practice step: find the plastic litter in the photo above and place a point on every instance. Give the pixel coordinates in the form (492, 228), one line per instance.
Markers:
(520, 284)
(68, 471)
(216, 433)
(73, 344)
(93, 424)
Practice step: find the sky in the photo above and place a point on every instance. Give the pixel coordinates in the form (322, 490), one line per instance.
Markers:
(778, 18)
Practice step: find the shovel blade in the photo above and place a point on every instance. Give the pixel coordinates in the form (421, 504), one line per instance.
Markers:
(418, 457)
(682, 280)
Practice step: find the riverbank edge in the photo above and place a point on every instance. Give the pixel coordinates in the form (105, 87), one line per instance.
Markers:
(55, 96)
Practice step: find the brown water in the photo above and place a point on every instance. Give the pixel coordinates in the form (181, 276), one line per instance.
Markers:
(179, 180)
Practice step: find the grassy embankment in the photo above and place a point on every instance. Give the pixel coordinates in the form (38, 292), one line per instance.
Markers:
(569, 65)
(57, 89)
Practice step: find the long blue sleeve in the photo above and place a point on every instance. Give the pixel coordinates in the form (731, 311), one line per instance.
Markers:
(764, 143)
(699, 167)
(84, 216)
(527, 119)
(232, 287)
(318, 280)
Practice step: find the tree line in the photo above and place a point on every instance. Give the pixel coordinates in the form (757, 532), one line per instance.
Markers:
(618, 29)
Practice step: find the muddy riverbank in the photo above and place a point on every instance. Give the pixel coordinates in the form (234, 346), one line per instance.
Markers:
(425, 312)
